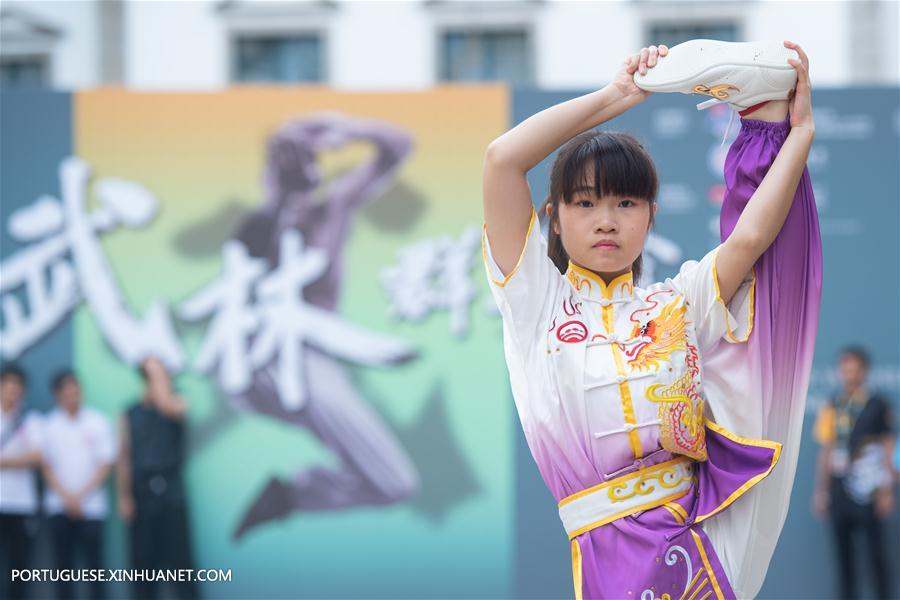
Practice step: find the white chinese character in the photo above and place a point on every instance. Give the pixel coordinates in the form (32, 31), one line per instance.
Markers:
(57, 228)
(286, 319)
(432, 275)
(281, 320)
(228, 299)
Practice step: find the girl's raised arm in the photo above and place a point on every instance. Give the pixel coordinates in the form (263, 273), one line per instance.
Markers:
(768, 208)
(507, 197)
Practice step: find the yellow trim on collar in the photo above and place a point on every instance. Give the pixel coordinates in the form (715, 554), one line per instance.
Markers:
(521, 254)
(776, 446)
(725, 307)
(625, 279)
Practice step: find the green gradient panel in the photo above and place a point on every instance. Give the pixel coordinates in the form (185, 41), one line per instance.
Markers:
(202, 156)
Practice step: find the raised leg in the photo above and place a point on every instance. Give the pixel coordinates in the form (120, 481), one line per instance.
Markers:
(774, 365)
(773, 111)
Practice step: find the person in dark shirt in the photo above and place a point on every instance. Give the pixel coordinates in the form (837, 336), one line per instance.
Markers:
(152, 497)
(854, 483)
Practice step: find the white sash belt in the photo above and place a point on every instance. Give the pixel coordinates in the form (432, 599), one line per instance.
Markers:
(643, 489)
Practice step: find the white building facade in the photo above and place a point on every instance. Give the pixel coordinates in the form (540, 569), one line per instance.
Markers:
(408, 45)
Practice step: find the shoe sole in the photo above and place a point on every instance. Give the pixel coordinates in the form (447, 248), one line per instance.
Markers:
(702, 56)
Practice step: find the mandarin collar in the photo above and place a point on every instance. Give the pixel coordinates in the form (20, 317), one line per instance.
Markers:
(591, 286)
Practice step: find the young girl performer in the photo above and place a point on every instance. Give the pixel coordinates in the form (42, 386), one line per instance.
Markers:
(655, 413)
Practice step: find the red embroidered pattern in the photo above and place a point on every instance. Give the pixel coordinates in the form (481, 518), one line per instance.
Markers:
(572, 332)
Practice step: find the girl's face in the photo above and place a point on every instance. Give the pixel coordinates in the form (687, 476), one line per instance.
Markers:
(590, 220)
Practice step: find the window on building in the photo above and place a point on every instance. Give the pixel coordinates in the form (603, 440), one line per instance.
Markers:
(486, 56)
(278, 58)
(672, 34)
(24, 71)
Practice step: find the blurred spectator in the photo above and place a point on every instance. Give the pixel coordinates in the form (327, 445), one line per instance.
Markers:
(854, 475)
(19, 455)
(151, 491)
(78, 450)
(896, 461)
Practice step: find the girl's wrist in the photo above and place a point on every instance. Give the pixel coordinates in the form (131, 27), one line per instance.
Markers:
(622, 100)
(612, 89)
(614, 93)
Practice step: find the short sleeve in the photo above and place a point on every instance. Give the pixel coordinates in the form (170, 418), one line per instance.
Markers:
(713, 319)
(32, 430)
(824, 428)
(524, 294)
(107, 440)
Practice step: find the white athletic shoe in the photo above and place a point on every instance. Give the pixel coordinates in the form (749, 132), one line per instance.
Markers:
(739, 73)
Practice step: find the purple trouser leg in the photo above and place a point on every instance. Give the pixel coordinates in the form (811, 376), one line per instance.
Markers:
(780, 350)
(717, 541)
(789, 278)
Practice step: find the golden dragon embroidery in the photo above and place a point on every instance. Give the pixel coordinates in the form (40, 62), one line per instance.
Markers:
(666, 333)
(680, 404)
(681, 418)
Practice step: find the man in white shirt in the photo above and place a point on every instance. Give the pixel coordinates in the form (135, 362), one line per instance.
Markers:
(79, 448)
(19, 456)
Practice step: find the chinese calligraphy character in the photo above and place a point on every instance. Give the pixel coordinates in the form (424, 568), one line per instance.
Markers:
(56, 228)
(234, 319)
(432, 275)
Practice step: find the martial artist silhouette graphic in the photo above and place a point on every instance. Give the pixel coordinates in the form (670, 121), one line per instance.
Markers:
(374, 468)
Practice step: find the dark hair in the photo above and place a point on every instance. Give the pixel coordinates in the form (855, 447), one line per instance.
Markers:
(857, 352)
(622, 167)
(60, 378)
(13, 370)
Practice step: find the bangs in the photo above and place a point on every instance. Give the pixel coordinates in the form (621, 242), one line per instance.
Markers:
(609, 165)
